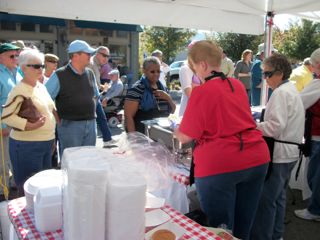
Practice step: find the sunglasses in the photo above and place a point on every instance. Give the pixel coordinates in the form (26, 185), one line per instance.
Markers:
(153, 71)
(268, 74)
(14, 56)
(105, 55)
(35, 66)
(52, 61)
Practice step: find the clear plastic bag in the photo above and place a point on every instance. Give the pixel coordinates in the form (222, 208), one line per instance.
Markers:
(151, 159)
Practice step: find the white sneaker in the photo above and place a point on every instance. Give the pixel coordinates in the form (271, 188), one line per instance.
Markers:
(306, 215)
(110, 144)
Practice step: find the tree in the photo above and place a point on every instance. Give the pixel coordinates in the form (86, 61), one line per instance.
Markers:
(169, 40)
(234, 44)
(299, 41)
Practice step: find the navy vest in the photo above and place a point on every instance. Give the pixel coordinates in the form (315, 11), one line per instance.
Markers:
(76, 99)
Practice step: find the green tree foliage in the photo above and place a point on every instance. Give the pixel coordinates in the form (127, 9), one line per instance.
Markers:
(299, 41)
(169, 40)
(234, 44)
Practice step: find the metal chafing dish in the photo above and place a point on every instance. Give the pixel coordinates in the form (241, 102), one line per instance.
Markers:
(159, 130)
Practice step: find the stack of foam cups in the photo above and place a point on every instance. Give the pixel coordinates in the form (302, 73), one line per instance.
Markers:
(84, 193)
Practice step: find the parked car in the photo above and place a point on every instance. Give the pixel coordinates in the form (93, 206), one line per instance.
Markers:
(174, 70)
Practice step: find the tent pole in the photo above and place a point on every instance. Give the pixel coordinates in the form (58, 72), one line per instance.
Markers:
(267, 53)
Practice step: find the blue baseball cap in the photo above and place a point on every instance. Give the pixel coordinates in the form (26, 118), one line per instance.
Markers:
(80, 46)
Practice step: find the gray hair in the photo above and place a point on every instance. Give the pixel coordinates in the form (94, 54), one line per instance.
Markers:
(156, 53)
(315, 57)
(150, 60)
(307, 62)
(102, 48)
(27, 55)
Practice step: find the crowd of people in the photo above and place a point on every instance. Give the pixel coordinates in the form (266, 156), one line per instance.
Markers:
(240, 180)
(241, 184)
(68, 103)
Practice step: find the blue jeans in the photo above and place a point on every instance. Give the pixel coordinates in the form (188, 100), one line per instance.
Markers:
(231, 199)
(269, 221)
(28, 158)
(76, 134)
(314, 178)
(102, 123)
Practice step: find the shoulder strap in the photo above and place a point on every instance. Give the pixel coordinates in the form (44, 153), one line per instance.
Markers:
(13, 100)
(300, 154)
(286, 142)
(222, 76)
(9, 104)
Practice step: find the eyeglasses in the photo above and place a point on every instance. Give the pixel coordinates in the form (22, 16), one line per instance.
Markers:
(52, 61)
(14, 56)
(268, 74)
(35, 66)
(105, 55)
(153, 71)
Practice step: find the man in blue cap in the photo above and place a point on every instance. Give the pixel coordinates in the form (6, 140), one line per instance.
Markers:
(9, 78)
(75, 91)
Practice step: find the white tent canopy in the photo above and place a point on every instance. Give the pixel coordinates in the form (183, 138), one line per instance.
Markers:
(239, 16)
(202, 15)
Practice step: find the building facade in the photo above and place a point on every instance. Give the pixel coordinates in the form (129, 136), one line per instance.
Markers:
(51, 35)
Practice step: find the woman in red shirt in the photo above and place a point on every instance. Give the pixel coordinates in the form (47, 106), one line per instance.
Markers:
(230, 155)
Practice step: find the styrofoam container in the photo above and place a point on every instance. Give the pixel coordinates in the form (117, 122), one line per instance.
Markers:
(47, 178)
(48, 209)
(13, 234)
(4, 220)
(50, 173)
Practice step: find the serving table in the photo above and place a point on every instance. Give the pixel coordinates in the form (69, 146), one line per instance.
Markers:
(24, 224)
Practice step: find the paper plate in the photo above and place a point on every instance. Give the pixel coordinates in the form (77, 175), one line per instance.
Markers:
(156, 217)
(154, 202)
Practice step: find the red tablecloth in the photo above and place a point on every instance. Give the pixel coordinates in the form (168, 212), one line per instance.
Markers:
(194, 230)
(23, 222)
(181, 178)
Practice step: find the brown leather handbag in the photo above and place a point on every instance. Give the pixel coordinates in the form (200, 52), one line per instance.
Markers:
(27, 109)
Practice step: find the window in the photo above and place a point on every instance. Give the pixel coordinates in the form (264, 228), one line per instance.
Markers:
(28, 27)
(91, 32)
(10, 26)
(177, 64)
(122, 34)
(48, 46)
(118, 53)
(46, 28)
(106, 33)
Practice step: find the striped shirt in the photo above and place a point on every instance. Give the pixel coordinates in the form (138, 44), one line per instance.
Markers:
(136, 93)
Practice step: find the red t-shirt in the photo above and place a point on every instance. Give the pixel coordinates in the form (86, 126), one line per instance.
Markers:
(218, 119)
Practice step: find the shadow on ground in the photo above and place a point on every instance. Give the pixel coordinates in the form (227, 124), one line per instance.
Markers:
(295, 228)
